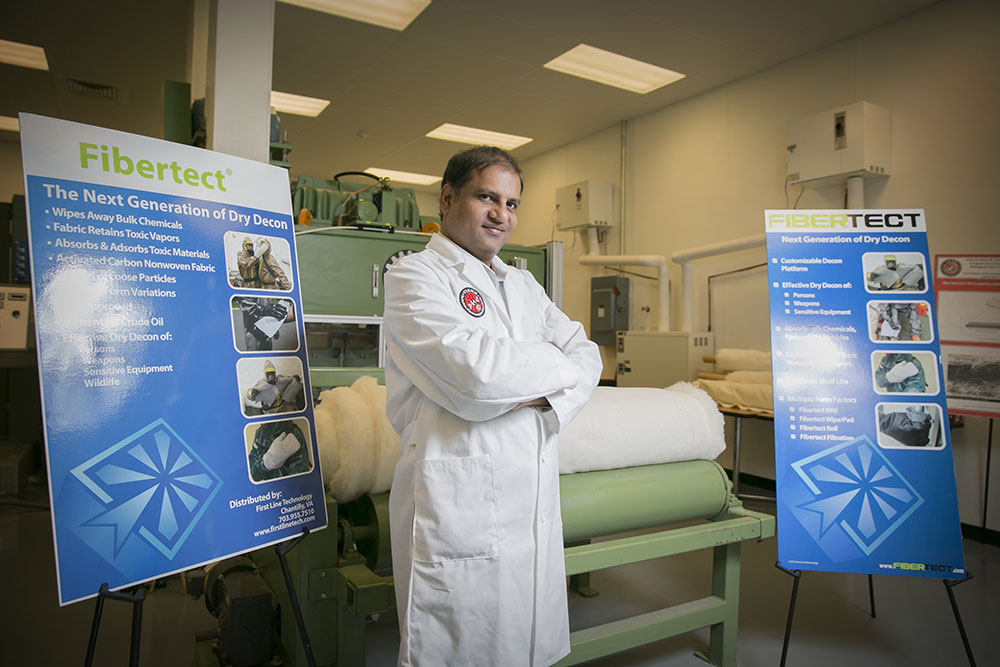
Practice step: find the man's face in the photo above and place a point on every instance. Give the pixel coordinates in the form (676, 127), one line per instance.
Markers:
(271, 378)
(482, 214)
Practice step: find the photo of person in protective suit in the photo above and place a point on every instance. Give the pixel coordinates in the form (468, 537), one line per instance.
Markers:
(900, 372)
(274, 392)
(892, 274)
(903, 320)
(278, 449)
(264, 323)
(909, 425)
(257, 262)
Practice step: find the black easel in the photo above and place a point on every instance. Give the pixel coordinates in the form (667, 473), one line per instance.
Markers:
(986, 487)
(948, 585)
(135, 596)
(281, 550)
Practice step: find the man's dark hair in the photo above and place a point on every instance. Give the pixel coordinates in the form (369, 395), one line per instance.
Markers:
(462, 164)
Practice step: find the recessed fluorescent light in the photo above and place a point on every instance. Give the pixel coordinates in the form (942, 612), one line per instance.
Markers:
(8, 123)
(395, 14)
(299, 105)
(472, 135)
(403, 176)
(612, 69)
(23, 55)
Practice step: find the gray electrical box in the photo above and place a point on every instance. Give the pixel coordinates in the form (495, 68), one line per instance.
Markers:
(608, 308)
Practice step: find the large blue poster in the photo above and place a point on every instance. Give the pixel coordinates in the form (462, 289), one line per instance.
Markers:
(178, 417)
(863, 460)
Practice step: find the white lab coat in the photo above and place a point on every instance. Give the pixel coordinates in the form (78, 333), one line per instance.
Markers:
(476, 532)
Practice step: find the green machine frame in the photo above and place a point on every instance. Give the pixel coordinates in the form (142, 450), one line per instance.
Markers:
(342, 575)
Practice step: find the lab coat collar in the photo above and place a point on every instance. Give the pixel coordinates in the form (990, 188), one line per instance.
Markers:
(475, 271)
(455, 254)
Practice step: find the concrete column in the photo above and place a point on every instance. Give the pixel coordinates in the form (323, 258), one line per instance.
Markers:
(238, 80)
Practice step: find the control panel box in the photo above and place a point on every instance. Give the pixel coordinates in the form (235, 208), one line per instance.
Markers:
(16, 326)
(608, 308)
(584, 204)
(661, 358)
(828, 148)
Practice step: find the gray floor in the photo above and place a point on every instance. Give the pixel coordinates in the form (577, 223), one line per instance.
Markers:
(914, 624)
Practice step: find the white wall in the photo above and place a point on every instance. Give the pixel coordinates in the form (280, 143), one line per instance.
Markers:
(704, 170)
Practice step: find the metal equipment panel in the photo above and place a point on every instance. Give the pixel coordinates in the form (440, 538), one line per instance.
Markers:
(341, 269)
(609, 296)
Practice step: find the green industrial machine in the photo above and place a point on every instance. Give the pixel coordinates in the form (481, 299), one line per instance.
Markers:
(341, 271)
(377, 203)
(342, 575)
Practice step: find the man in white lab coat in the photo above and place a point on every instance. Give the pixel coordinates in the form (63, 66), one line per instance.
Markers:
(482, 372)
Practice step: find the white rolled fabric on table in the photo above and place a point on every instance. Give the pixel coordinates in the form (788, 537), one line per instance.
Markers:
(750, 377)
(750, 396)
(622, 427)
(733, 359)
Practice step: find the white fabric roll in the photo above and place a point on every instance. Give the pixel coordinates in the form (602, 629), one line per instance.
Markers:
(732, 359)
(358, 449)
(353, 443)
(620, 427)
(623, 427)
(743, 395)
(750, 377)
(386, 445)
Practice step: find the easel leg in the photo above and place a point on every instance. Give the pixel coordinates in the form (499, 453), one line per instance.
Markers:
(986, 484)
(95, 626)
(948, 585)
(281, 550)
(791, 610)
(871, 595)
(136, 627)
(136, 596)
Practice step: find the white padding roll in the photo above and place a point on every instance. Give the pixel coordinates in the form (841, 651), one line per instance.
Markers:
(623, 427)
(620, 427)
(732, 359)
(358, 449)
(750, 377)
(742, 395)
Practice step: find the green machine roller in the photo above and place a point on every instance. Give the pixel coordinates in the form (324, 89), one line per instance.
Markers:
(342, 575)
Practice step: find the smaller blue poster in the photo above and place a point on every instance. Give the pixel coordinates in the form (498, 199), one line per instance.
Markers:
(863, 459)
(175, 390)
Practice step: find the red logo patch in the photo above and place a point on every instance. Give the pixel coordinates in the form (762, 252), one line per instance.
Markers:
(472, 302)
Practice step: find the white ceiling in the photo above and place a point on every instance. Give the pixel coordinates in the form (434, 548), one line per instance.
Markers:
(470, 62)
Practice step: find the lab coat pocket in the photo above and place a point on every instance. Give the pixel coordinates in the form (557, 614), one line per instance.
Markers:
(455, 510)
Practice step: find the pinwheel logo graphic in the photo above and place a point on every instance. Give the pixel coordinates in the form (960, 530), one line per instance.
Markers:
(857, 490)
(152, 485)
